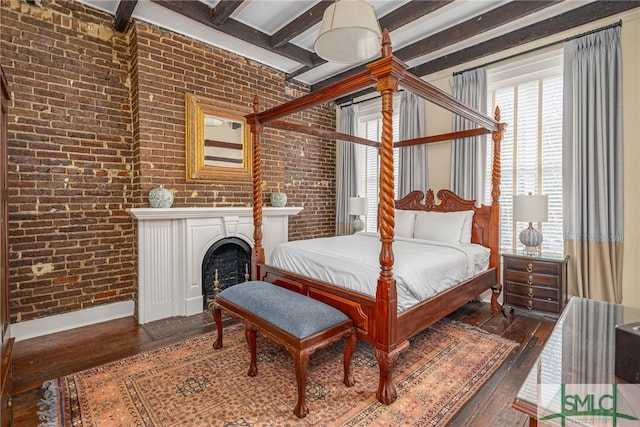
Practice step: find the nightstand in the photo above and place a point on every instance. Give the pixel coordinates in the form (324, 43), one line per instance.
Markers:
(536, 283)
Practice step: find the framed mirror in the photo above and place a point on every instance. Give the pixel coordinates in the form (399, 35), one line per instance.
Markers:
(218, 142)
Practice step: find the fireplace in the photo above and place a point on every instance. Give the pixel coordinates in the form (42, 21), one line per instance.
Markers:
(226, 263)
(172, 246)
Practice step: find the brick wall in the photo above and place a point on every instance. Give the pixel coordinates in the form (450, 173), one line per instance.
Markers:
(170, 65)
(97, 120)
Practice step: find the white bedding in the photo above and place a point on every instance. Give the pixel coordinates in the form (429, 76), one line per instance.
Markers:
(422, 268)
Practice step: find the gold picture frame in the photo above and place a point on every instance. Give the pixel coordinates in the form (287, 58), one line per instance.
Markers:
(218, 142)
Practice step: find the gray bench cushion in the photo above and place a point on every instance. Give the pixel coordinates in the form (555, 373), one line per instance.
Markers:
(290, 311)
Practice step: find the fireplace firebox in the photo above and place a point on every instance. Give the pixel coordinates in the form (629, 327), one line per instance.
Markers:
(226, 263)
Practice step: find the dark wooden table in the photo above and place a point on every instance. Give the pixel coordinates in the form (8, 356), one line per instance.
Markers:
(574, 376)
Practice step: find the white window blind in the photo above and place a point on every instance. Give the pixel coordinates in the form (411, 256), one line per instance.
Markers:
(529, 94)
(370, 127)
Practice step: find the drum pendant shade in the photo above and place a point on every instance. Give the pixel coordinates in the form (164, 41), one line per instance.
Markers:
(349, 32)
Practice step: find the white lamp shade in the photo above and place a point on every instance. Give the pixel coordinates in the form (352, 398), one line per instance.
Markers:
(357, 205)
(530, 208)
(349, 32)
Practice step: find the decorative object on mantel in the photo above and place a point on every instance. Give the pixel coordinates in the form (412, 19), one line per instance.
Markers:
(530, 208)
(278, 199)
(160, 197)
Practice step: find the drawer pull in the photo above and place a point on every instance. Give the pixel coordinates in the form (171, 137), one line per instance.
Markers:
(530, 268)
(530, 280)
(530, 305)
(530, 293)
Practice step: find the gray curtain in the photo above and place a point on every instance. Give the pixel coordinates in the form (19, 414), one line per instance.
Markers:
(468, 155)
(346, 170)
(593, 165)
(412, 170)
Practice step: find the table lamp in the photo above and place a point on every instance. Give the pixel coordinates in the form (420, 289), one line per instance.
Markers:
(358, 207)
(530, 208)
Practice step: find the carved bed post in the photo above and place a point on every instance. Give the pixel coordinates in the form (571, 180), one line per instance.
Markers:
(257, 254)
(387, 71)
(496, 176)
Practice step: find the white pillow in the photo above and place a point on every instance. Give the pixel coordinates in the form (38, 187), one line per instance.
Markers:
(405, 221)
(465, 236)
(444, 227)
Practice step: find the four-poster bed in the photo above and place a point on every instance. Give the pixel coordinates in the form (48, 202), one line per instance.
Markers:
(376, 317)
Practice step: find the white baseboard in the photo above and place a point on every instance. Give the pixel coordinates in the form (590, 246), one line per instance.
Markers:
(75, 319)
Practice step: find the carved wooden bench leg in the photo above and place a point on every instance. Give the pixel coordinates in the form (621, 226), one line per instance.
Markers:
(302, 325)
(301, 360)
(349, 347)
(250, 334)
(217, 316)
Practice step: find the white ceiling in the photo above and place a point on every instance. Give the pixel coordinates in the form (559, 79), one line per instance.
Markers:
(268, 16)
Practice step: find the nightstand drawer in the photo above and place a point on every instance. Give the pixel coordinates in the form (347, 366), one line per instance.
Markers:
(531, 279)
(537, 283)
(533, 303)
(549, 294)
(532, 266)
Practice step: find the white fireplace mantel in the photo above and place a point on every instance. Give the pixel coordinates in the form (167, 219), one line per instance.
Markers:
(172, 243)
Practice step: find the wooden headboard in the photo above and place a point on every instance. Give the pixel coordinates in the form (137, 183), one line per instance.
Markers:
(450, 202)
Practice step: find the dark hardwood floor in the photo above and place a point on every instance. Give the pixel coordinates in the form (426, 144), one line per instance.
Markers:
(39, 359)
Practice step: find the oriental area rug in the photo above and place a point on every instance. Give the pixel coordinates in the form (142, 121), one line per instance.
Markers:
(191, 384)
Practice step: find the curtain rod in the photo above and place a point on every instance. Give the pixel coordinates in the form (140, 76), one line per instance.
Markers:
(515, 55)
(352, 102)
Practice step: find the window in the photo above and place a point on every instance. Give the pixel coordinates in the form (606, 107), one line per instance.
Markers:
(529, 95)
(370, 127)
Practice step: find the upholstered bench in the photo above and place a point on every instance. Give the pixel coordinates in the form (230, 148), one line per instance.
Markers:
(299, 323)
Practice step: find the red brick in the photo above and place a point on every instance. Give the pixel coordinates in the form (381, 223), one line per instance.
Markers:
(104, 136)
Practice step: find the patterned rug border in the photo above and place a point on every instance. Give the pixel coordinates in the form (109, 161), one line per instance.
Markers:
(52, 412)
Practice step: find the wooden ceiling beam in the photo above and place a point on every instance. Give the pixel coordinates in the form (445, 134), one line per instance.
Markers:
(556, 24)
(204, 14)
(474, 26)
(299, 25)
(223, 10)
(471, 27)
(409, 12)
(579, 16)
(393, 20)
(292, 75)
(123, 14)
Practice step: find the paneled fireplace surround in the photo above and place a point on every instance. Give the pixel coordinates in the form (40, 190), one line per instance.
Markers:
(173, 242)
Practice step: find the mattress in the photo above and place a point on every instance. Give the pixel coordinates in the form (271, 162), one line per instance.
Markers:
(422, 268)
